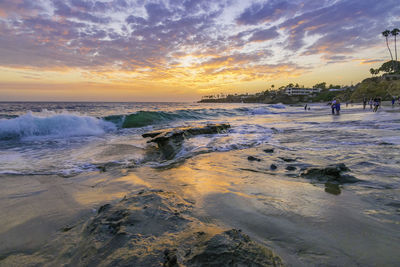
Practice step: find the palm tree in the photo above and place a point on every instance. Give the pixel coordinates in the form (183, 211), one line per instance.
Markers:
(386, 34)
(394, 33)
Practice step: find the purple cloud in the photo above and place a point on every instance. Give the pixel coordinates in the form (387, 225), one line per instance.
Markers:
(136, 34)
(264, 35)
(266, 12)
(344, 26)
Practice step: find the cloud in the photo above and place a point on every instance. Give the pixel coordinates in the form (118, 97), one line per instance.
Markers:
(78, 10)
(370, 61)
(182, 37)
(345, 26)
(331, 59)
(264, 35)
(265, 12)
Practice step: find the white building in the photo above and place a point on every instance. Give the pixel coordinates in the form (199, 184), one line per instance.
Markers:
(301, 91)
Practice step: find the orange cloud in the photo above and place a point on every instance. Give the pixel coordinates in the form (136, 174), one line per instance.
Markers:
(369, 61)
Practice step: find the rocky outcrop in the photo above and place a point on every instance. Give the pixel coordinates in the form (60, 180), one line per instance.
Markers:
(170, 141)
(331, 173)
(149, 228)
(230, 248)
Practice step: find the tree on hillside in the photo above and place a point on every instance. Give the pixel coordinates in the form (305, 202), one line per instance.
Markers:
(320, 85)
(331, 86)
(394, 33)
(387, 67)
(372, 71)
(376, 71)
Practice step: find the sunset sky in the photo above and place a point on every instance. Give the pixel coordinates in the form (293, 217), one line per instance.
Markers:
(180, 50)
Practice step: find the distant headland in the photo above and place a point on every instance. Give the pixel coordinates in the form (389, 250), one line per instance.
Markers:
(386, 86)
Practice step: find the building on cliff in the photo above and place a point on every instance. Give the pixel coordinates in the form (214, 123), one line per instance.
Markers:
(301, 91)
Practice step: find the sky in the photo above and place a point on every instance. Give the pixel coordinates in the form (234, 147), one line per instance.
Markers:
(181, 50)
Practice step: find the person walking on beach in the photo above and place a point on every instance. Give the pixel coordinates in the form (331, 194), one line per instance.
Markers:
(370, 103)
(393, 101)
(333, 106)
(305, 107)
(376, 104)
(364, 102)
(337, 107)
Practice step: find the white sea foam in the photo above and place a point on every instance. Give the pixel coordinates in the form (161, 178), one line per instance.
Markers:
(52, 124)
(260, 111)
(278, 106)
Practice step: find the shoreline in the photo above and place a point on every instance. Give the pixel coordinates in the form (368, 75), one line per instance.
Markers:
(313, 191)
(220, 199)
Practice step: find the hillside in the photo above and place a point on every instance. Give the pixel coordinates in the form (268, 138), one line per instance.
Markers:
(376, 86)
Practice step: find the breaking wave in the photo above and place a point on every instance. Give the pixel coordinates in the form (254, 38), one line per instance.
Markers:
(49, 123)
(145, 118)
(52, 124)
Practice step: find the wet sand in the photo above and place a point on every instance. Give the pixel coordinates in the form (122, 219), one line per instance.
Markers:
(292, 216)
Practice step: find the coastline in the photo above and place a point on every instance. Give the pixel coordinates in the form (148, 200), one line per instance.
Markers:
(308, 189)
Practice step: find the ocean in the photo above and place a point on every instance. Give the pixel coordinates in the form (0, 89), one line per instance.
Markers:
(309, 223)
(70, 138)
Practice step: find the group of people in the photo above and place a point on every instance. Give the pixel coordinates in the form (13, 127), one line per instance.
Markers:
(374, 103)
(394, 101)
(335, 105)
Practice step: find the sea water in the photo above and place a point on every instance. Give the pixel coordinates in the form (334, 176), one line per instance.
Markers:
(70, 138)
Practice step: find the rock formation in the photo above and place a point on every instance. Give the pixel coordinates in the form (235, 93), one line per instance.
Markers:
(170, 141)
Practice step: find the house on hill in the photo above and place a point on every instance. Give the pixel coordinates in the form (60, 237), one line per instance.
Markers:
(292, 91)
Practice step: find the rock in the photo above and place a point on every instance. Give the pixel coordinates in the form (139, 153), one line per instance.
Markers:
(332, 188)
(385, 144)
(269, 150)
(291, 168)
(67, 228)
(331, 173)
(170, 258)
(230, 248)
(151, 228)
(251, 158)
(170, 141)
(106, 166)
(102, 168)
(287, 159)
(273, 167)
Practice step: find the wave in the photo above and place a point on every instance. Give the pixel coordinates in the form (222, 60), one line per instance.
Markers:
(49, 123)
(52, 124)
(278, 106)
(145, 118)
